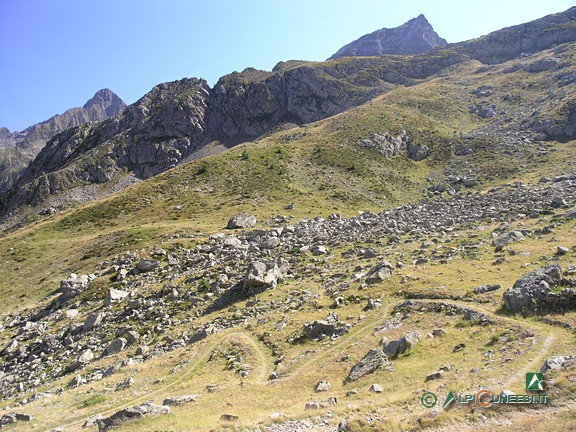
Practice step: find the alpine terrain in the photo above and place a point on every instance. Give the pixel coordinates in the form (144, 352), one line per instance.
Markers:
(385, 240)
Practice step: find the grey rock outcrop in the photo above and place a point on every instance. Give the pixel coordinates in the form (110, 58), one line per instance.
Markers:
(559, 363)
(399, 346)
(531, 289)
(180, 400)
(371, 362)
(413, 37)
(389, 145)
(321, 329)
(542, 65)
(241, 220)
(507, 238)
(263, 275)
(379, 273)
(132, 413)
(72, 286)
(82, 360)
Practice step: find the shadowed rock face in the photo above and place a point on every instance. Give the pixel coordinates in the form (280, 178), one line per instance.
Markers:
(414, 37)
(17, 149)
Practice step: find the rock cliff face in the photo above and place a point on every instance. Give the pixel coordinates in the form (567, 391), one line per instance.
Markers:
(413, 37)
(528, 38)
(17, 149)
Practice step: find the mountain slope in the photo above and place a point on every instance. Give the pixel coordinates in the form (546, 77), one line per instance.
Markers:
(17, 149)
(413, 37)
(186, 119)
(178, 120)
(409, 220)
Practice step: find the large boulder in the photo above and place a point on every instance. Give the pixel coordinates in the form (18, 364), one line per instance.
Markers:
(93, 320)
(507, 238)
(82, 360)
(371, 362)
(532, 288)
(73, 285)
(380, 272)
(396, 347)
(241, 220)
(263, 275)
(418, 152)
(146, 265)
(321, 329)
(116, 346)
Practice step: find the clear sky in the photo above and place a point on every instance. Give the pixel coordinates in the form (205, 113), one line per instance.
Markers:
(55, 54)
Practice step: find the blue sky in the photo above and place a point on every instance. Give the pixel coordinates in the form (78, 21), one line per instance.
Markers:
(55, 54)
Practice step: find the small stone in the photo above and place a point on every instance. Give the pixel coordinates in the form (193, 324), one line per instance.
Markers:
(459, 347)
(376, 388)
(322, 386)
(180, 400)
(116, 294)
(438, 332)
(434, 376)
(312, 406)
(229, 417)
(142, 350)
(343, 426)
(147, 265)
(71, 313)
(116, 346)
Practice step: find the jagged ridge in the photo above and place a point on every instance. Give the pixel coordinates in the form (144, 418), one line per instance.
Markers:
(17, 149)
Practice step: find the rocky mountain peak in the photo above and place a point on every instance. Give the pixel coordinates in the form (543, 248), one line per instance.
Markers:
(416, 36)
(4, 132)
(107, 101)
